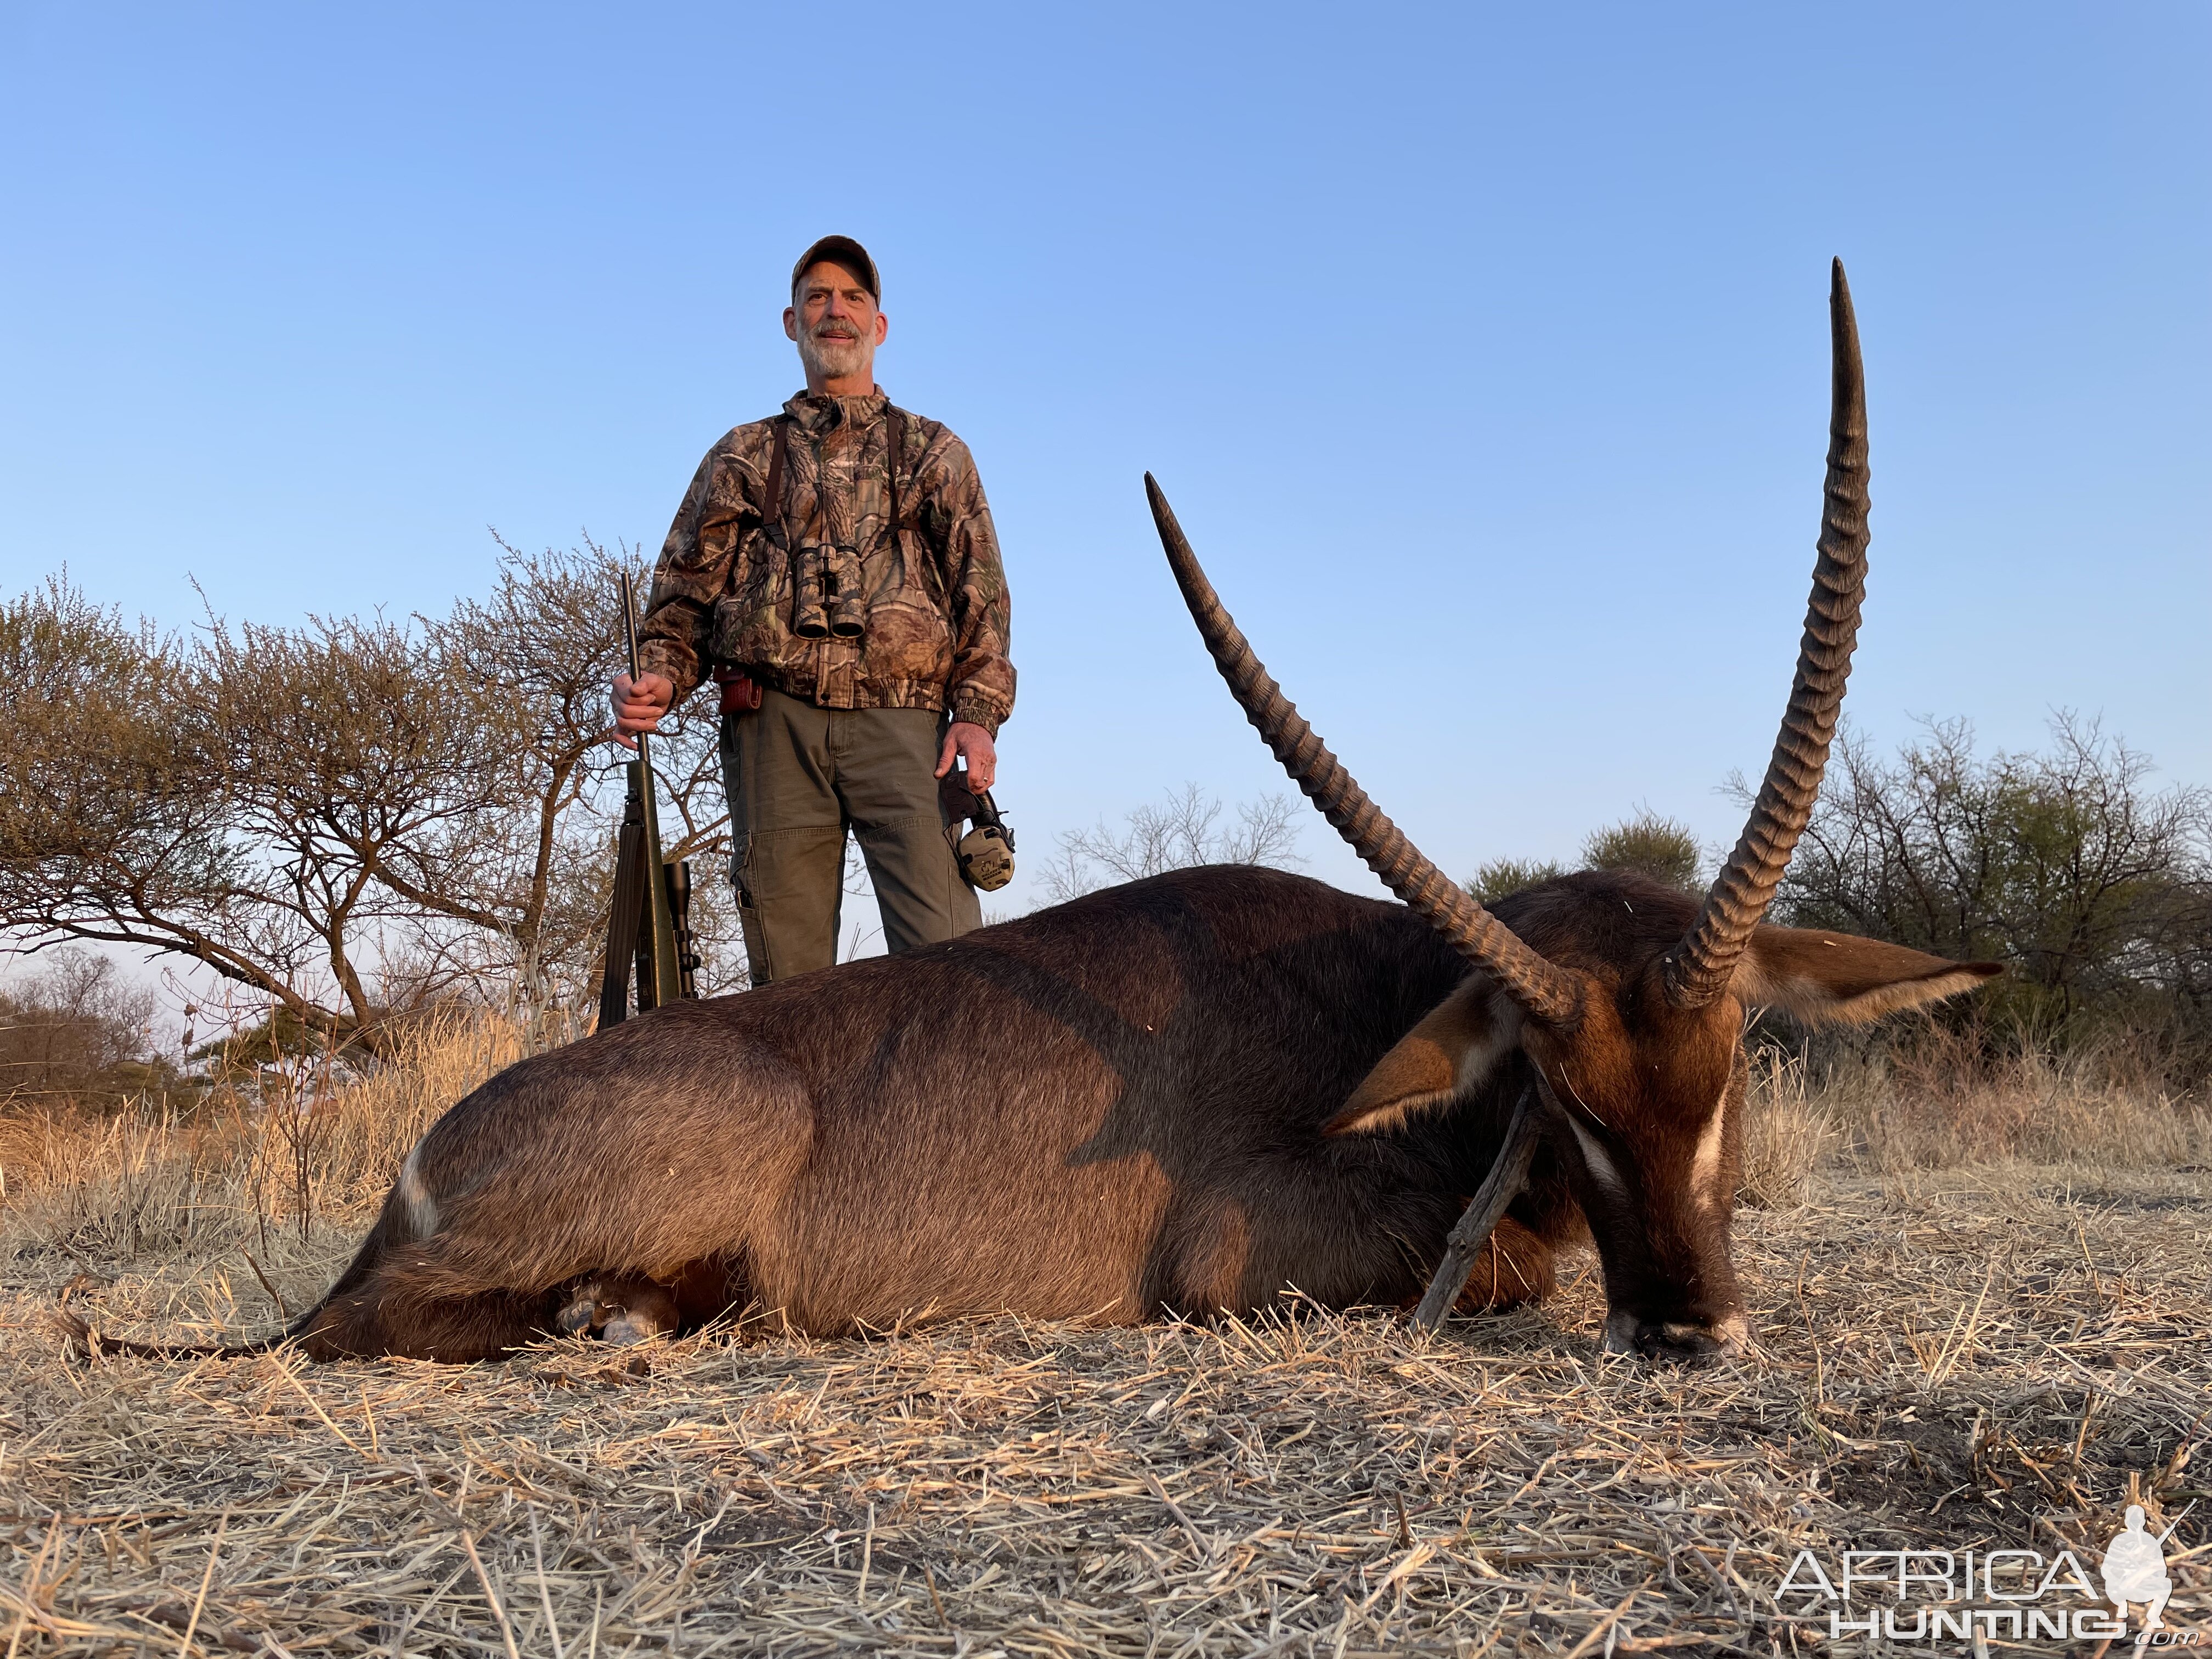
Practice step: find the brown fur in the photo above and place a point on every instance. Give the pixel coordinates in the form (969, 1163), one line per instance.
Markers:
(1105, 1110)
(1637, 1084)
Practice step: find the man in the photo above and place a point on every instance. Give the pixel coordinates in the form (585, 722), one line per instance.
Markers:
(861, 657)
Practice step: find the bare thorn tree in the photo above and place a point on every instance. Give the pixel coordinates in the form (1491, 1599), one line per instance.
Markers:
(1183, 831)
(118, 822)
(342, 817)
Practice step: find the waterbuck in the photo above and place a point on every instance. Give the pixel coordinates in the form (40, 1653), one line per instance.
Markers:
(1191, 1093)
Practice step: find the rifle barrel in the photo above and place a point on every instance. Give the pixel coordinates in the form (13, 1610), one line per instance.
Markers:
(661, 947)
(630, 642)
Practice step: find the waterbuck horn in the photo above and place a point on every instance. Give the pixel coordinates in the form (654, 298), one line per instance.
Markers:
(1543, 992)
(1699, 968)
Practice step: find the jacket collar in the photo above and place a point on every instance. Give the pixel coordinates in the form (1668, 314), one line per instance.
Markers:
(815, 416)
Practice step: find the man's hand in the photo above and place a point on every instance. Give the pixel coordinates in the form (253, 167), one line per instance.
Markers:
(639, 708)
(972, 743)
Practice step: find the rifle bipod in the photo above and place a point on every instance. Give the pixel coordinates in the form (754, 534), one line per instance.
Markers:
(650, 924)
(649, 928)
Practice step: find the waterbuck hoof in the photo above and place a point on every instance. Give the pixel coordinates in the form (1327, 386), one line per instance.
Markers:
(628, 1328)
(624, 1310)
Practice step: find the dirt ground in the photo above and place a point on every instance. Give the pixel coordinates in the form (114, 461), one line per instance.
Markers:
(1994, 1358)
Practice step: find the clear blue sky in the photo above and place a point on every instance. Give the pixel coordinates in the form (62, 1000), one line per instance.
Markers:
(1481, 349)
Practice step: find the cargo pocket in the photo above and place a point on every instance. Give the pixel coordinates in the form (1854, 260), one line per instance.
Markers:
(759, 968)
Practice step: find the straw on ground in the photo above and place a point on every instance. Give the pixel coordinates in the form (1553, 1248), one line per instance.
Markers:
(1983, 1355)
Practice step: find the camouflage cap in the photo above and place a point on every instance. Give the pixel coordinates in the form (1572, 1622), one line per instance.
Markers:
(842, 251)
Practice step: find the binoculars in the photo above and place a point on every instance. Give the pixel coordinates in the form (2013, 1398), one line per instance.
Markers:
(827, 602)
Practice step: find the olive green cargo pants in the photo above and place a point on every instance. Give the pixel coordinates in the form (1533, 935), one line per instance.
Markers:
(799, 777)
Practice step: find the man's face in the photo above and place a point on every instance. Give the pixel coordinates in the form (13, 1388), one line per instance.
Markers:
(835, 322)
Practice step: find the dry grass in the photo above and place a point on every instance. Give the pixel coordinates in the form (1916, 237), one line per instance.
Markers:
(1786, 1132)
(1935, 1102)
(108, 1187)
(1979, 1355)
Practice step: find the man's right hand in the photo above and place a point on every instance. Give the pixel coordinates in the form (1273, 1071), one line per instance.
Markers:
(639, 708)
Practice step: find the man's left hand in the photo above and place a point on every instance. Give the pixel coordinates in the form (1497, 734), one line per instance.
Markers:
(973, 745)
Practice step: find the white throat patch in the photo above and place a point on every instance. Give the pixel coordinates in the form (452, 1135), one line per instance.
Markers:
(1706, 1169)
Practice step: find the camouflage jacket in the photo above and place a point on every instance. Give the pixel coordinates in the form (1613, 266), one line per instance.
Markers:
(936, 610)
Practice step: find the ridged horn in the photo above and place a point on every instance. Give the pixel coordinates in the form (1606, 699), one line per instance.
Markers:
(1543, 992)
(1701, 966)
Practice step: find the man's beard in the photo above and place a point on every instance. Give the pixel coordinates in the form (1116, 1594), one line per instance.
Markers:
(832, 358)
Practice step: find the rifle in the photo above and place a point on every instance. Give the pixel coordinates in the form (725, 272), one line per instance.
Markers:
(649, 929)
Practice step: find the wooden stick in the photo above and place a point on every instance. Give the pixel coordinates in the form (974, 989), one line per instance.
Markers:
(1500, 1188)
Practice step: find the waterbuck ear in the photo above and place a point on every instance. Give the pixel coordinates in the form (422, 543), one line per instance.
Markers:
(1839, 979)
(1451, 1050)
